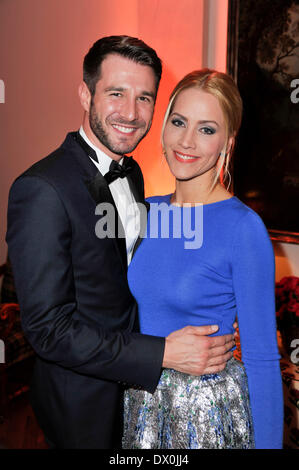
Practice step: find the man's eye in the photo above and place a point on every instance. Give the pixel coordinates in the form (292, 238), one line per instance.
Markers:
(115, 93)
(145, 98)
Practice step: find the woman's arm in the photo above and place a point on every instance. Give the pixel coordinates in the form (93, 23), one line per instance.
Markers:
(254, 281)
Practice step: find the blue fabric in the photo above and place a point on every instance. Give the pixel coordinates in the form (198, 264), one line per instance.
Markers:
(232, 273)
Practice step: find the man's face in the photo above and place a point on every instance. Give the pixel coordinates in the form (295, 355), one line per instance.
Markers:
(122, 107)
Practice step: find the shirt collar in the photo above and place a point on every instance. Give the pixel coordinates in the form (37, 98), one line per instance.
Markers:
(104, 160)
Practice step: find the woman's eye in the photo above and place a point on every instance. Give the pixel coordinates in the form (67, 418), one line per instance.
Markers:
(207, 130)
(177, 122)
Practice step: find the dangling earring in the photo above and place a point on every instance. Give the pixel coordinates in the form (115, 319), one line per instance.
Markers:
(229, 179)
(227, 174)
(219, 166)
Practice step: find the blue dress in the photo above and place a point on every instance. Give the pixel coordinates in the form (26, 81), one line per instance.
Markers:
(215, 263)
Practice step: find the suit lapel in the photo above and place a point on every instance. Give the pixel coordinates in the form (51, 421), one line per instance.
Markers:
(135, 180)
(100, 193)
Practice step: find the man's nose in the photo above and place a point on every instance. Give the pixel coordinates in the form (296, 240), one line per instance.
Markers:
(129, 109)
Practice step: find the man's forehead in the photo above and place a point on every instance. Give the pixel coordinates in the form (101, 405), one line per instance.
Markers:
(116, 66)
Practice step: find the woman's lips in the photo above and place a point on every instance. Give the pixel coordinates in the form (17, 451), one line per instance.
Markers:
(184, 158)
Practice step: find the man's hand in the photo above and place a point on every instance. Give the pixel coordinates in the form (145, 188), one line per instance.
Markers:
(191, 351)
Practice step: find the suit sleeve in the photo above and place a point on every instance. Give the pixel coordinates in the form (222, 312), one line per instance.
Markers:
(39, 238)
(254, 282)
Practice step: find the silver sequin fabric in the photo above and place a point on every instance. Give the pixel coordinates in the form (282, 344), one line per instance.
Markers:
(189, 412)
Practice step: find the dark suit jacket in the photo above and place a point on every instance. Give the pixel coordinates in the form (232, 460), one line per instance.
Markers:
(76, 307)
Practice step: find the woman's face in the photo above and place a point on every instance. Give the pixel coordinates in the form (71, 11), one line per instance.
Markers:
(194, 135)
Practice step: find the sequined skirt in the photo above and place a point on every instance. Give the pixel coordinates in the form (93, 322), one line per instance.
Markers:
(189, 412)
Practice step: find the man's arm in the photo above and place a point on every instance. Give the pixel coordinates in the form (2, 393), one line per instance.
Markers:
(189, 350)
(39, 238)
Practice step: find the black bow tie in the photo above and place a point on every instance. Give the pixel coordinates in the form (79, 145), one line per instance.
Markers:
(118, 171)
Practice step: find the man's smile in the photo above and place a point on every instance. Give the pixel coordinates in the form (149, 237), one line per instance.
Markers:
(123, 129)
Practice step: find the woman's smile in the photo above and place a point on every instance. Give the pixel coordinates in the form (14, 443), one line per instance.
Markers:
(184, 158)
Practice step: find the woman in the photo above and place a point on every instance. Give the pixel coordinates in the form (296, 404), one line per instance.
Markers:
(228, 271)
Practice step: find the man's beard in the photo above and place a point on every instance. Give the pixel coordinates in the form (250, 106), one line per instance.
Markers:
(98, 130)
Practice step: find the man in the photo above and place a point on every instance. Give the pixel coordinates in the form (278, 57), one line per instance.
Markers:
(77, 310)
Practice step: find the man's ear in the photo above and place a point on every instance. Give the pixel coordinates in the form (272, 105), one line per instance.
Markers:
(84, 96)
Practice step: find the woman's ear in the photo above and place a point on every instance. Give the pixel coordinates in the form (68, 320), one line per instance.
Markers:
(84, 96)
(230, 144)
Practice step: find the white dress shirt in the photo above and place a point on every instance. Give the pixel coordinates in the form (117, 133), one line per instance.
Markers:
(124, 200)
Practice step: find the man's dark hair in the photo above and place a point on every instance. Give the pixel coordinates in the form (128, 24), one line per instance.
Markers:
(126, 46)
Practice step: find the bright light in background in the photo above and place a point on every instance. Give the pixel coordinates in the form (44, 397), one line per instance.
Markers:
(187, 36)
(46, 51)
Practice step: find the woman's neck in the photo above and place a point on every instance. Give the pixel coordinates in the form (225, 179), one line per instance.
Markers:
(195, 192)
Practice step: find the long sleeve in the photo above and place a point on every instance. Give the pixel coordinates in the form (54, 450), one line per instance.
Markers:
(254, 280)
(40, 237)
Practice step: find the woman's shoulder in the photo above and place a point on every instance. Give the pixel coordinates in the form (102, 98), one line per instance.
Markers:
(245, 213)
(237, 219)
(249, 229)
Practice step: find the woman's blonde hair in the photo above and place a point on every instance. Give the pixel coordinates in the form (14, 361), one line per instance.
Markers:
(226, 91)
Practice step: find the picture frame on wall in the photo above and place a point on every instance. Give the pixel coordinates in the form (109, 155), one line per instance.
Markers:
(263, 59)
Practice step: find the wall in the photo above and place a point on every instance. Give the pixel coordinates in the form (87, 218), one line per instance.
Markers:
(42, 44)
(287, 260)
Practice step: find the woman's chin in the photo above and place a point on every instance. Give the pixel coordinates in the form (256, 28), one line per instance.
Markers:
(184, 176)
